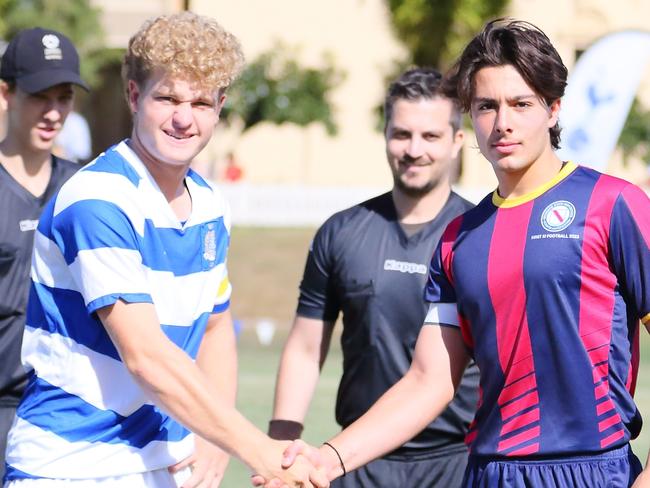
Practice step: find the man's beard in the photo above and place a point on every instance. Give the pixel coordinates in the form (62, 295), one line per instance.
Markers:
(414, 191)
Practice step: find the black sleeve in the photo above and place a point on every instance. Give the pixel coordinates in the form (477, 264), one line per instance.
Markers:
(62, 170)
(318, 298)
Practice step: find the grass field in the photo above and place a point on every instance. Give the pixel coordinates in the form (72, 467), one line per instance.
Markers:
(257, 368)
(265, 267)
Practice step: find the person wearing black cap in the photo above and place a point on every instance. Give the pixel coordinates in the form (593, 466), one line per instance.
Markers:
(38, 71)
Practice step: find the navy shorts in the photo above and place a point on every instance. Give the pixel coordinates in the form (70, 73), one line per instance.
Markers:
(617, 468)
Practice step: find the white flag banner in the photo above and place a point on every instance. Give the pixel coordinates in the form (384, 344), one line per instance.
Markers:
(600, 91)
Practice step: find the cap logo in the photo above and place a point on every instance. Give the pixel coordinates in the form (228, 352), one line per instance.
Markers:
(51, 44)
(558, 216)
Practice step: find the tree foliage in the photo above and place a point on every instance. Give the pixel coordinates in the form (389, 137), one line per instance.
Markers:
(275, 88)
(77, 19)
(635, 136)
(435, 31)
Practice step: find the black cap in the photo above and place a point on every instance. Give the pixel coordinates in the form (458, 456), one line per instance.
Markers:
(38, 59)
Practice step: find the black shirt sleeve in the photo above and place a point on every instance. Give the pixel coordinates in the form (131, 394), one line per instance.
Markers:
(318, 299)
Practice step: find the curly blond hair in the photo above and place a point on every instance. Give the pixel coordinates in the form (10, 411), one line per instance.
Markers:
(185, 45)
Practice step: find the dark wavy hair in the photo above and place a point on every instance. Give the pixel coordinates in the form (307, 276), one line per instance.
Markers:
(519, 44)
(418, 84)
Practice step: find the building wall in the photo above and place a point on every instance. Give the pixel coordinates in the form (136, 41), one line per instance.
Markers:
(357, 34)
(363, 45)
(121, 18)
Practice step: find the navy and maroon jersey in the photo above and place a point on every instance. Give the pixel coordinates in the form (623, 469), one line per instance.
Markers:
(548, 290)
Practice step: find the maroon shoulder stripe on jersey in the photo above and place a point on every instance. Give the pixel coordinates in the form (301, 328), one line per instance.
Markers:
(596, 309)
(447, 246)
(519, 398)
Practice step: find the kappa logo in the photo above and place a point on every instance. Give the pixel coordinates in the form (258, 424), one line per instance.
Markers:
(51, 44)
(558, 216)
(27, 225)
(404, 267)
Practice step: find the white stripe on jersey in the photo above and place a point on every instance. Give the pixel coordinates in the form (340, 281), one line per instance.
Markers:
(119, 190)
(112, 188)
(39, 453)
(48, 265)
(96, 378)
(180, 309)
(120, 269)
(442, 313)
(49, 269)
(205, 214)
(159, 478)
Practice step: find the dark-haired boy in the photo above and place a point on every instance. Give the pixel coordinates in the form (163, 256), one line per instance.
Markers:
(543, 283)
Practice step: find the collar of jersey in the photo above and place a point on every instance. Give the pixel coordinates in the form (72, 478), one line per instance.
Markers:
(499, 201)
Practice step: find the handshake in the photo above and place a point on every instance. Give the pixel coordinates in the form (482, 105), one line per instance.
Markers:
(301, 465)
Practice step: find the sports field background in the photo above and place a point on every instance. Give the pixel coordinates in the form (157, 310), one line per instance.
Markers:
(265, 267)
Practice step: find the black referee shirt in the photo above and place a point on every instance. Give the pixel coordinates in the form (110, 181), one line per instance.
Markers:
(364, 265)
(19, 213)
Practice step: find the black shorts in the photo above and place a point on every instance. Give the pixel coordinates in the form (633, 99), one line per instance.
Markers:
(7, 415)
(426, 470)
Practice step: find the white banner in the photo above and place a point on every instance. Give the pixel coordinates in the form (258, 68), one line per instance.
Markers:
(599, 94)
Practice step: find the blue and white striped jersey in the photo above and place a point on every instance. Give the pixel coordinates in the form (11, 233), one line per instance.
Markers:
(110, 234)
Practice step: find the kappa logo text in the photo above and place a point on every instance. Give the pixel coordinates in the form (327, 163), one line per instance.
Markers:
(404, 267)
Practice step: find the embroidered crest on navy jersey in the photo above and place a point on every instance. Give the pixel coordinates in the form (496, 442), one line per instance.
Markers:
(558, 216)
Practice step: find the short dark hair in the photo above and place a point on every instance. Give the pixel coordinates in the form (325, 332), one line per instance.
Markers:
(518, 44)
(419, 84)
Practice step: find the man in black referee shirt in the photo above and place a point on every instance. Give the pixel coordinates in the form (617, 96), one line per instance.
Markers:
(38, 71)
(370, 262)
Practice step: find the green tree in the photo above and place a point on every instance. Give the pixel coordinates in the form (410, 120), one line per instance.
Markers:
(275, 88)
(435, 31)
(77, 19)
(635, 136)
